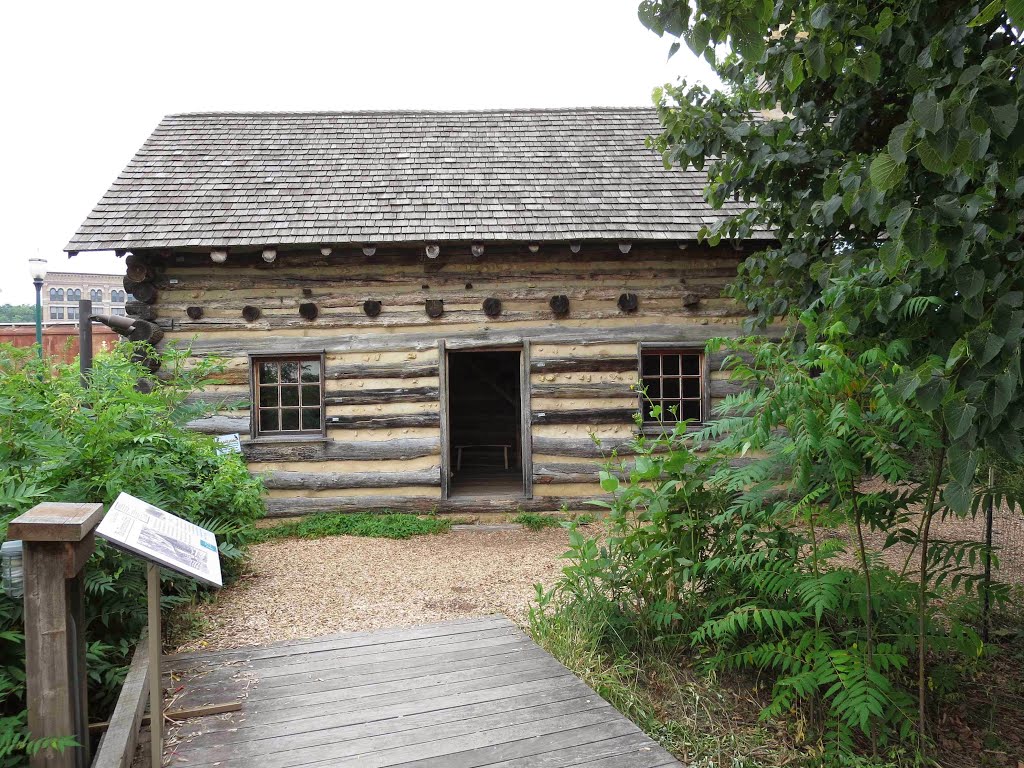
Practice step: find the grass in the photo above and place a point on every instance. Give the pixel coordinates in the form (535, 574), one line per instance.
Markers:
(536, 522)
(381, 526)
(696, 719)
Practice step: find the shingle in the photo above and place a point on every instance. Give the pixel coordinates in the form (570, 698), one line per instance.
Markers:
(235, 178)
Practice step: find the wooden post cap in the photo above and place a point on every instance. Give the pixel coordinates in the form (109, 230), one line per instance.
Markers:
(56, 521)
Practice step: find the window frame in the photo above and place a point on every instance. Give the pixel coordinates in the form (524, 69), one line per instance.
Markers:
(254, 389)
(661, 348)
(96, 295)
(56, 312)
(72, 313)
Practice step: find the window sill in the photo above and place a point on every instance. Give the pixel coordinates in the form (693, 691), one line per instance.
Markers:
(656, 430)
(263, 439)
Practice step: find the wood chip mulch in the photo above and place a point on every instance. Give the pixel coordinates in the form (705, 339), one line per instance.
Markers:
(295, 588)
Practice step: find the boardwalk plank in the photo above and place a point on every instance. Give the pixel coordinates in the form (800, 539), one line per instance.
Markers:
(457, 694)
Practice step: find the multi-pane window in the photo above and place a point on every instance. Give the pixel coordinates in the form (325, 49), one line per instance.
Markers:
(288, 395)
(117, 311)
(56, 313)
(56, 294)
(74, 294)
(96, 294)
(117, 296)
(72, 313)
(673, 379)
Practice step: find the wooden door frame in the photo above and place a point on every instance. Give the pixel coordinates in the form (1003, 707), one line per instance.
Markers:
(526, 427)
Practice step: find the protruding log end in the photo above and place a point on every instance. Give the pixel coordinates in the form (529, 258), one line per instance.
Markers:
(145, 386)
(628, 302)
(145, 292)
(150, 362)
(559, 305)
(139, 271)
(250, 313)
(691, 299)
(308, 310)
(307, 292)
(143, 330)
(435, 308)
(194, 313)
(140, 310)
(492, 307)
(371, 307)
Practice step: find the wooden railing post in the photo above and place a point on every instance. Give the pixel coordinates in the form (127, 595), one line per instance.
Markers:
(58, 540)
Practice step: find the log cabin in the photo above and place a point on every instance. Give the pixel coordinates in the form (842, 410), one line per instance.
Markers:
(426, 311)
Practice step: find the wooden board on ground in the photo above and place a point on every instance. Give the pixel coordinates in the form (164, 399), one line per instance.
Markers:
(462, 694)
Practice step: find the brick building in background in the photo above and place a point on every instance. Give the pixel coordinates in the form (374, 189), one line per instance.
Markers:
(62, 290)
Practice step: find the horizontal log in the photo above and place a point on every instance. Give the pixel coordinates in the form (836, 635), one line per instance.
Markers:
(329, 450)
(410, 370)
(229, 401)
(585, 364)
(391, 421)
(583, 448)
(382, 396)
(586, 416)
(287, 507)
(556, 333)
(220, 425)
(582, 391)
(544, 474)
(321, 481)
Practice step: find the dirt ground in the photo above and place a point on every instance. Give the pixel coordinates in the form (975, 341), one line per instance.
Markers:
(297, 588)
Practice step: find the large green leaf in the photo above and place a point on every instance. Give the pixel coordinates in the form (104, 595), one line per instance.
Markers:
(958, 417)
(927, 111)
(885, 172)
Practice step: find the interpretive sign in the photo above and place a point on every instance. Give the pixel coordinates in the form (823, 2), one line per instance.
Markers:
(167, 539)
(229, 443)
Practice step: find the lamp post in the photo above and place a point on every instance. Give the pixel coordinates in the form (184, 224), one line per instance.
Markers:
(37, 268)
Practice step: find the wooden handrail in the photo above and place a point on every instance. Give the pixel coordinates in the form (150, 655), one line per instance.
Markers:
(117, 747)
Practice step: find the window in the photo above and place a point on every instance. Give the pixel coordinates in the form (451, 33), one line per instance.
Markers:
(129, 297)
(72, 313)
(673, 379)
(96, 294)
(74, 294)
(117, 296)
(288, 395)
(56, 313)
(56, 294)
(117, 311)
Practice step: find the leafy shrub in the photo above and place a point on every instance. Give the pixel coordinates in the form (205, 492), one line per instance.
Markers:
(716, 543)
(381, 526)
(536, 522)
(63, 442)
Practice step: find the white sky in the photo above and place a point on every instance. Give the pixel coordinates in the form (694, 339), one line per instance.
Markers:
(84, 83)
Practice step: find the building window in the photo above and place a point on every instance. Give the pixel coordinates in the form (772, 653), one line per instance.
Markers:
(117, 311)
(72, 313)
(117, 296)
(56, 294)
(56, 313)
(96, 294)
(673, 379)
(74, 294)
(289, 395)
(129, 297)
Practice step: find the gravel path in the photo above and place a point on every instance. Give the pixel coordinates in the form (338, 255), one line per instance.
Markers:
(296, 588)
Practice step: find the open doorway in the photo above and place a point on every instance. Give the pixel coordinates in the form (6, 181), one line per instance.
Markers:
(485, 423)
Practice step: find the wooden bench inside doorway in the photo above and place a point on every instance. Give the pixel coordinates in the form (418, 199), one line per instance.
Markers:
(459, 449)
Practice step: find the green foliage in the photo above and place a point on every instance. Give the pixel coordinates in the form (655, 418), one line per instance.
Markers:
(17, 313)
(62, 442)
(381, 526)
(880, 144)
(536, 522)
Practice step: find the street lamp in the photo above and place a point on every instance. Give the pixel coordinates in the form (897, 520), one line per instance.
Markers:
(37, 268)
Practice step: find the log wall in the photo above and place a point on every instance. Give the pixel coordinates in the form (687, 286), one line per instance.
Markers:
(383, 439)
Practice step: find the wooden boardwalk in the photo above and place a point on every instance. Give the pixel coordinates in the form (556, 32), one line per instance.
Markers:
(461, 694)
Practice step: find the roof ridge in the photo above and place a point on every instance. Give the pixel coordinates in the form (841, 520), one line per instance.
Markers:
(488, 111)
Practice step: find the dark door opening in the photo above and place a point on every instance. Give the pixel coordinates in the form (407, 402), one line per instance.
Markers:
(484, 423)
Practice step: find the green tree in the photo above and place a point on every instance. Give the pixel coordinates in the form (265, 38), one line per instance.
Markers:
(17, 313)
(882, 143)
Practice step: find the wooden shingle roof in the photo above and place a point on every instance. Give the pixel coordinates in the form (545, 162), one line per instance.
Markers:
(255, 179)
